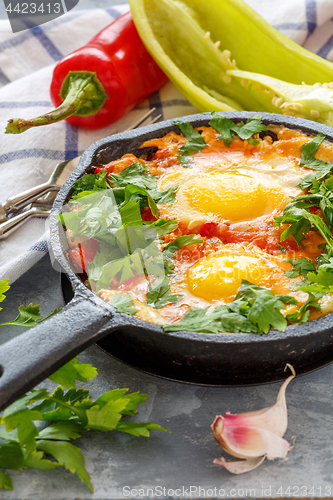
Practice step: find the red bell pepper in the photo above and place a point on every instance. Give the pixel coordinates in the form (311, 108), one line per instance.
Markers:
(100, 82)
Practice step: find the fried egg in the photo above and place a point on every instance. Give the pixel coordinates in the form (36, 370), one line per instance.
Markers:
(217, 277)
(219, 194)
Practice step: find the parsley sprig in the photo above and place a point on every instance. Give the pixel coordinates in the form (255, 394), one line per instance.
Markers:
(124, 183)
(318, 277)
(309, 150)
(68, 413)
(227, 128)
(195, 143)
(159, 293)
(28, 317)
(254, 310)
(123, 304)
(112, 216)
(297, 213)
(195, 140)
(308, 160)
(180, 242)
(301, 267)
(126, 241)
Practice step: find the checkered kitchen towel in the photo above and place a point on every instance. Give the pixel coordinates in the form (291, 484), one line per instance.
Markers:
(27, 60)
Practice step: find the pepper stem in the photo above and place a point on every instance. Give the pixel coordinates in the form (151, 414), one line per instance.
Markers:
(82, 94)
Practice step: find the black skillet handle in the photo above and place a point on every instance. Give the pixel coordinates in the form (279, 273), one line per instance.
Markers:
(35, 354)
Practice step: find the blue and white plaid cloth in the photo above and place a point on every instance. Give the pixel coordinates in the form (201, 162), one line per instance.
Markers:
(27, 60)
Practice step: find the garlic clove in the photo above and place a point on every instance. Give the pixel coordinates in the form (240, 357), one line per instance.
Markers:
(243, 441)
(241, 466)
(254, 435)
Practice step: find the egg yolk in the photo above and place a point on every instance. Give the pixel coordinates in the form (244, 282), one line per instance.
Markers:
(233, 196)
(219, 276)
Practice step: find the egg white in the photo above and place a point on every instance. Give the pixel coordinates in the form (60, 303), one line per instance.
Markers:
(240, 188)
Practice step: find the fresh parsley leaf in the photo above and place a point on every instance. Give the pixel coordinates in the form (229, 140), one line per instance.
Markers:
(265, 306)
(61, 431)
(255, 309)
(301, 267)
(227, 128)
(125, 267)
(19, 416)
(178, 243)
(116, 257)
(132, 193)
(89, 183)
(310, 148)
(5, 481)
(220, 319)
(123, 304)
(72, 371)
(52, 407)
(72, 413)
(195, 140)
(134, 174)
(97, 216)
(11, 456)
(252, 127)
(134, 182)
(130, 213)
(297, 214)
(298, 222)
(139, 429)
(166, 197)
(132, 400)
(4, 287)
(67, 455)
(316, 164)
(224, 126)
(322, 172)
(265, 313)
(159, 293)
(323, 277)
(85, 183)
(318, 223)
(302, 316)
(193, 320)
(28, 317)
(184, 161)
(280, 247)
(107, 419)
(161, 226)
(252, 141)
(36, 460)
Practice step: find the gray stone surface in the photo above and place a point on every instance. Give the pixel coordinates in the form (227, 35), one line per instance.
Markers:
(119, 463)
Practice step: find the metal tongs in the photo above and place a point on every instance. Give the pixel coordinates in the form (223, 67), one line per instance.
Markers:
(38, 201)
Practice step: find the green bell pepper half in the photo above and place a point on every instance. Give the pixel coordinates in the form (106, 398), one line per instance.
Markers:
(200, 46)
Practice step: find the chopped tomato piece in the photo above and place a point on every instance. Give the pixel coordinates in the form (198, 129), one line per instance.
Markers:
(82, 257)
(209, 229)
